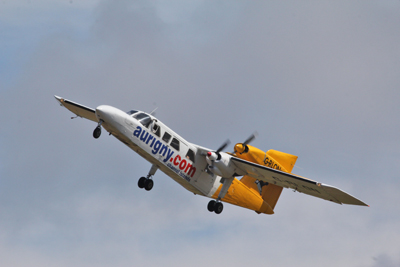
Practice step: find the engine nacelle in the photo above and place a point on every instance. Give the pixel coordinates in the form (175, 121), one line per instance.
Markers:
(241, 148)
(221, 165)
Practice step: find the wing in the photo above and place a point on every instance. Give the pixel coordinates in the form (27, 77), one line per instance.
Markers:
(78, 109)
(297, 183)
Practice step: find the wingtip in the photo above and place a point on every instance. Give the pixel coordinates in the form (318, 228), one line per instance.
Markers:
(59, 99)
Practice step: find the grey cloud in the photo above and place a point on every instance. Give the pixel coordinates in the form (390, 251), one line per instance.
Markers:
(315, 79)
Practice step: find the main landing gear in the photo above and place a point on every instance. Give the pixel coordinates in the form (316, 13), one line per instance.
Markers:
(215, 206)
(146, 182)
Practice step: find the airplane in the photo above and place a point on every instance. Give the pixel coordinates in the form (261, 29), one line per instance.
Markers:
(207, 172)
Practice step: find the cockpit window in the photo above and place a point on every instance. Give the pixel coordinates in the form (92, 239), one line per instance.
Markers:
(143, 118)
(130, 112)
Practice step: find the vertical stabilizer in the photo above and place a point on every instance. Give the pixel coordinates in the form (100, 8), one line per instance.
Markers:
(271, 193)
(286, 160)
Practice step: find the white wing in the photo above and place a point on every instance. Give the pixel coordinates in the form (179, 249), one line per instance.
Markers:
(298, 183)
(78, 109)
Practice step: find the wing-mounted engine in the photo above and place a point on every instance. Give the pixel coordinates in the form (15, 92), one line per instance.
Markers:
(272, 158)
(220, 164)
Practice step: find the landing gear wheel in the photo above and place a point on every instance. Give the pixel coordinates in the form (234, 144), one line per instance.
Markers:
(211, 205)
(142, 182)
(148, 184)
(97, 132)
(218, 207)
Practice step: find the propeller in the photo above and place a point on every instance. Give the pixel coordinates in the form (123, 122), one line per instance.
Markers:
(250, 139)
(227, 142)
(212, 156)
(241, 148)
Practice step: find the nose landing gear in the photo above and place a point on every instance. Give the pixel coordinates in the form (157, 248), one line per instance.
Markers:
(97, 131)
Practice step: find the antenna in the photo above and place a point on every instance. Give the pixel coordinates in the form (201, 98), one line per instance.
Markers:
(154, 111)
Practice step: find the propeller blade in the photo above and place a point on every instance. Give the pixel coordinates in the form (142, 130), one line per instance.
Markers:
(243, 146)
(251, 138)
(227, 142)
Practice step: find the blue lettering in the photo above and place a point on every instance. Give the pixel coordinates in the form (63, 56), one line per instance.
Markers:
(148, 139)
(152, 143)
(143, 137)
(137, 131)
(165, 149)
(157, 146)
(169, 154)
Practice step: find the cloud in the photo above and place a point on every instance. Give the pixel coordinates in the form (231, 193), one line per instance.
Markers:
(315, 79)
(384, 260)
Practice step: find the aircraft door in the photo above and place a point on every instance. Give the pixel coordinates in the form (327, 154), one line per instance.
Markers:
(155, 128)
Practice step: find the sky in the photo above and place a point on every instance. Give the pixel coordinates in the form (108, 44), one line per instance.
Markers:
(317, 79)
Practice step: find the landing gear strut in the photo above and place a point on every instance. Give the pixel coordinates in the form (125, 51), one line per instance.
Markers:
(146, 182)
(216, 205)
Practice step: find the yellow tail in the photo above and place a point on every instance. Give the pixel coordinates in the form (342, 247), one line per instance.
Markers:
(273, 159)
(286, 160)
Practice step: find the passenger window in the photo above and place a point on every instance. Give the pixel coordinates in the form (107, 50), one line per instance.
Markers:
(156, 129)
(190, 155)
(166, 137)
(175, 143)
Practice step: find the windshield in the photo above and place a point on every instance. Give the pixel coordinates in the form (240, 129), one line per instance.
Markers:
(143, 118)
(132, 112)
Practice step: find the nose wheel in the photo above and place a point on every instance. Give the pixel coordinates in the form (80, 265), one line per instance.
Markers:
(215, 206)
(97, 131)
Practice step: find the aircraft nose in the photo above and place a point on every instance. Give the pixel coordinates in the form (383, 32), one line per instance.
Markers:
(104, 113)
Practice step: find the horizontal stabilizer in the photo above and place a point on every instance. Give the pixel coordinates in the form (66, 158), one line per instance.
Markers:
(78, 109)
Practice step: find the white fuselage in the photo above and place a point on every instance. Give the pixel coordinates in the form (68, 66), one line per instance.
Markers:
(161, 146)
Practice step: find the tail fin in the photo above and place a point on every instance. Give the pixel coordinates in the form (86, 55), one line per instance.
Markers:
(270, 193)
(286, 160)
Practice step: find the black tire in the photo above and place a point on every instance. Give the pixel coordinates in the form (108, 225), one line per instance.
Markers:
(148, 184)
(141, 182)
(218, 207)
(97, 132)
(211, 205)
